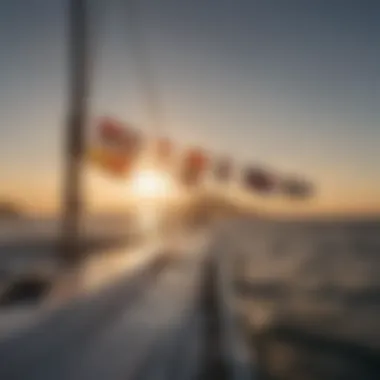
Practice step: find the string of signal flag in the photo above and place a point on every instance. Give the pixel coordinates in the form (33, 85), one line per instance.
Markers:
(118, 146)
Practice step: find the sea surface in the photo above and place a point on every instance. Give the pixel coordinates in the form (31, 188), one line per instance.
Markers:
(31, 244)
(309, 293)
(49, 228)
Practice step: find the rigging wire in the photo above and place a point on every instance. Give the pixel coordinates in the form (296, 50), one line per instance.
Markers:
(138, 49)
(97, 12)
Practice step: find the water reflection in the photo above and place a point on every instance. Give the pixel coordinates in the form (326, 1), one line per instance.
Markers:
(311, 298)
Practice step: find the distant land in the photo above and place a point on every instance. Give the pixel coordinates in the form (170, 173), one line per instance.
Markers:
(10, 210)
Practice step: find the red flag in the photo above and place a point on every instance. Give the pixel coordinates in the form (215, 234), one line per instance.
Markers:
(194, 165)
(110, 129)
(120, 136)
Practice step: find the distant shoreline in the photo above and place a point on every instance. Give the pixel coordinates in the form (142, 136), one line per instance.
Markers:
(10, 212)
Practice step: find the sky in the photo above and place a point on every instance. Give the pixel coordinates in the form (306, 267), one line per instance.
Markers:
(293, 85)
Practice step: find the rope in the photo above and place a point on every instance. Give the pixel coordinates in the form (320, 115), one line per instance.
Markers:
(97, 12)
(137, 47)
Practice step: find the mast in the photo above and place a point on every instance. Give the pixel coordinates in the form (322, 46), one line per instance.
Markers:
(75, 128)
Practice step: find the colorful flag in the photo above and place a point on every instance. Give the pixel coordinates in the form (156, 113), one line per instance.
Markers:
(223, 169)
(110, 129)
(296, 188)
(111, 161)
(164, 150)
(193, 167)
(259, 180)
(120, 136)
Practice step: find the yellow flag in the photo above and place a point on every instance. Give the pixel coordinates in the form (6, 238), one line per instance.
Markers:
(110, 161)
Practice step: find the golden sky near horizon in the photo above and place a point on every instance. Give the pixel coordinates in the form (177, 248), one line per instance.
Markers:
(291, 86)
(41, 195)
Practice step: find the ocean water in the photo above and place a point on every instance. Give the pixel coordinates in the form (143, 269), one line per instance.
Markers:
(49, 228)
(309, 293)
(29, 243)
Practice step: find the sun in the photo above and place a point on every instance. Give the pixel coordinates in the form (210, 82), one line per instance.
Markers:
(153, 192)
(151, 184)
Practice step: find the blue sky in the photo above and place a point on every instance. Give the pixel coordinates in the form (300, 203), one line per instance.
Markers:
(292, 84)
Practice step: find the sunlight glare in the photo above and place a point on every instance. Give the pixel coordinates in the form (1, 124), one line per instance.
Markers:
(151, 184)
